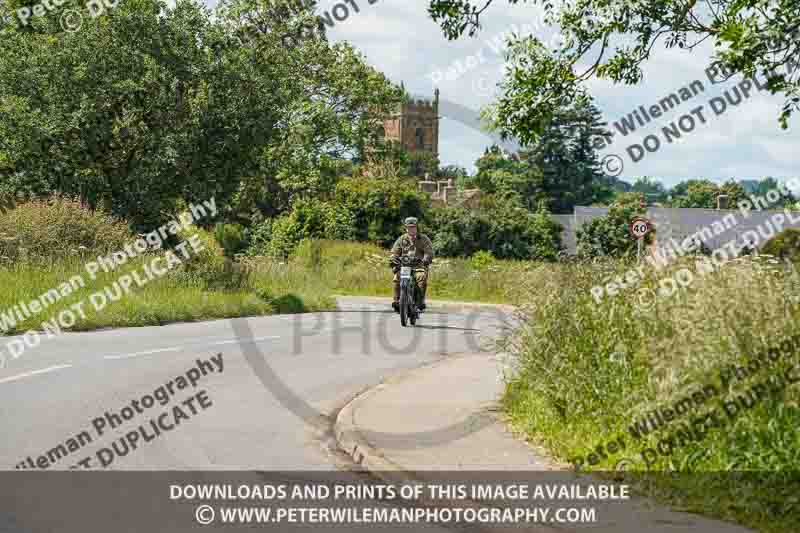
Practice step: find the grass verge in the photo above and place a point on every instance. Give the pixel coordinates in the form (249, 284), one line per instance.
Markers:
(654, 371)
(171, 298)
(358, 269)
(212, 288)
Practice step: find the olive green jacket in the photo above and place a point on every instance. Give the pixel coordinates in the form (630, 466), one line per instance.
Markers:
(422, 247)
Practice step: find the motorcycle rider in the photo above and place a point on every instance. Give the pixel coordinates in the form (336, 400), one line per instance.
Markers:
(422, 249)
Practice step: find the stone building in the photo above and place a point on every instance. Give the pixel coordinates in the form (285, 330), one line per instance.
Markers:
(445, 193)
(415, 125)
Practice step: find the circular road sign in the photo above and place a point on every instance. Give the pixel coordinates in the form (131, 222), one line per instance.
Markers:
(640, 227)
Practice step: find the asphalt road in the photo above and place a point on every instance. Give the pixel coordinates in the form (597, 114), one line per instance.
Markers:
(53, 394)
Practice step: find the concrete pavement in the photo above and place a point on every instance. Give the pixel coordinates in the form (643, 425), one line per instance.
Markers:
(398, 416)
(395, 431)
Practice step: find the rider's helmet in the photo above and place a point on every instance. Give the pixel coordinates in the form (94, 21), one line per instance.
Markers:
(410, 221)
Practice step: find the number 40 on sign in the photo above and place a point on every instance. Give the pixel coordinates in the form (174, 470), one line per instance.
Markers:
(640, 227)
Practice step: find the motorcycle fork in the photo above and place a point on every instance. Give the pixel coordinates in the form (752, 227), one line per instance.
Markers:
(412, 289)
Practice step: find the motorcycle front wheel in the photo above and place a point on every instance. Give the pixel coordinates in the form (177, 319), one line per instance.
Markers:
(404, 306)
(413, 311)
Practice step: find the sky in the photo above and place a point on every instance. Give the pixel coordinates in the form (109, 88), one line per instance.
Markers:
(745, 141)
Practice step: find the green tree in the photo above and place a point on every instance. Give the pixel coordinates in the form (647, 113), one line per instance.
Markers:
(566, 156)
(704, 193)
(605, 188)
(493, 161)
(501, 174)
(457, 173)
(614, 38)
(734, 191)
(654, 191)
(610, 235)
(130, 128)
(501, 226)
(180, 105)
(559, 168)
(418, 164)
(768, 184)
(785, 245)
(378, 206)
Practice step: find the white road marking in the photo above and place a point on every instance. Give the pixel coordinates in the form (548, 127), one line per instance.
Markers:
(179, 348)
(128, 355)
(237, 341)
(34, 373)
(234, 341)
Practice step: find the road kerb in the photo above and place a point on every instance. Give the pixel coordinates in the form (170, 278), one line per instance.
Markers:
(351, 441)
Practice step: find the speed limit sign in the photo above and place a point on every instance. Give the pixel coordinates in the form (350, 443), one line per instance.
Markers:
(640, 227)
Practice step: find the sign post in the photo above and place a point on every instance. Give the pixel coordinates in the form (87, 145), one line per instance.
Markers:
(639, 228)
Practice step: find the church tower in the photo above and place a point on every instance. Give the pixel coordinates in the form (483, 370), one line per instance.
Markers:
(415, 125)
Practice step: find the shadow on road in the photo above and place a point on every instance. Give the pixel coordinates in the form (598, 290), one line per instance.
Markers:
(390, 311)
(425, 326)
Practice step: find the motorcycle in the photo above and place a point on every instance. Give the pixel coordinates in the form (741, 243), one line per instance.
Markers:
(409, 290)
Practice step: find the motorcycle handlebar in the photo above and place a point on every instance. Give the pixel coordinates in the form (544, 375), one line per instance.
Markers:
(406, 261)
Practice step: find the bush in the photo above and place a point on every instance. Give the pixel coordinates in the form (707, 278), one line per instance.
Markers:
(379, 206)
(500, 226)
(481, 260)
(516, 233)
(545, 237)
(785, 245)
(308, 219)
(457, 232)
(231, 237)
(610, 235)
(259, 237)
(286, 233)
(363, 209)
(58, 227)
(209, 268)
(340, 223)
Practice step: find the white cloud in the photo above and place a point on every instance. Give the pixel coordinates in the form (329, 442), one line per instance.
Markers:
(399, 38)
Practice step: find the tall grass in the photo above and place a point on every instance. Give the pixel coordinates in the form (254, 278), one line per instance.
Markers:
(58, 227)
(46, 242)
(586, 371)
(211, 286)
(163, 300)
(351, 268)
